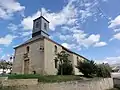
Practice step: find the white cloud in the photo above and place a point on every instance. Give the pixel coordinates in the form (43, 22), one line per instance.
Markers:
(110, 60)
(7, 40)
(116, 36)
(80, 38)
(65, 16)
(92, 39)
(88, 40)
(100, 44)
(67, 45)
(117, 30)
(69, 19)
(71, 46)
(12, 27)
(9, 7)
(28, 33)
(65, 37)
(69, 15)
(115, 23)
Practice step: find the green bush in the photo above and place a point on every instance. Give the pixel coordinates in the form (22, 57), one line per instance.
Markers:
(103, 70)
(88, 68)
(66, 68)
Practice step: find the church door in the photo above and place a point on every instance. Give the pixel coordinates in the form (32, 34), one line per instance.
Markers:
(26, 66)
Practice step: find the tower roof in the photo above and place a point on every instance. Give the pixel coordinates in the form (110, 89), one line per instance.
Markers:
(41, 17)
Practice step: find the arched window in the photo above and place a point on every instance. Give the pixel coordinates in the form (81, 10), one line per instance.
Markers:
(55, 49)
(28, 49)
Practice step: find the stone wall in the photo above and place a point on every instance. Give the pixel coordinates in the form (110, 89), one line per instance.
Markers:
(116, 82)
(94, 84)
(18, 82)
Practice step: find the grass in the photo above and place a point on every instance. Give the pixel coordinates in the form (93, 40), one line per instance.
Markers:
(50, 78)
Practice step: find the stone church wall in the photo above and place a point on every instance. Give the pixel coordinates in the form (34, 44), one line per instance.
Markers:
(35, 56)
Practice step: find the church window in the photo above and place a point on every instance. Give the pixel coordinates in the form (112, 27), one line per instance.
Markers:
(28, 49)
(45, 26)
(55, 49)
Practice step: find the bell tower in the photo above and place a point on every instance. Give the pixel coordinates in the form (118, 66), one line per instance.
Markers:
(40, 27)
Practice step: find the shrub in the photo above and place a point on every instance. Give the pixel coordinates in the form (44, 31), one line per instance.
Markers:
(65, 66)
(103, 70)
(67, 69)
(88, 68)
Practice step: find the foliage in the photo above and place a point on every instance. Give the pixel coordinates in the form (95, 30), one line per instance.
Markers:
(67, 69)
(88, 68)
(5, 65)
(65, 66)
(103, 70)
(50, 78)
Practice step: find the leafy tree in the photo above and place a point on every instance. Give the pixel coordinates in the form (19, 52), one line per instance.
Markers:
(103, 70)
(65, 66)
(5, 65)
(67, 69)
(88, 68)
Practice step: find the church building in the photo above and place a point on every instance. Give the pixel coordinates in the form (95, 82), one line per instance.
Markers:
(37, 54)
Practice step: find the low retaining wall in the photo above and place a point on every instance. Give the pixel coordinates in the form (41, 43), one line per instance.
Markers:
(18, 82)
(94, 84)
(3, 79)
(101, 84)
(116, 82)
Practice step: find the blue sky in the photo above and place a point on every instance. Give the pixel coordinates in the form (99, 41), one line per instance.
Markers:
(88, 27)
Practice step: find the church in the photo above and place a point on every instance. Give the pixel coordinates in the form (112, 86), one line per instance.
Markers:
(37, 54)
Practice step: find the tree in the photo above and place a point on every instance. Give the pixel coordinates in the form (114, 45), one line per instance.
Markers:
(9, 66)
(104, 70)
(65, 66)
(5, 65)
(87, 67)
